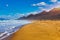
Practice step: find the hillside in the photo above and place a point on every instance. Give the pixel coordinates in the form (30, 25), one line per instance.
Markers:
(53, 14)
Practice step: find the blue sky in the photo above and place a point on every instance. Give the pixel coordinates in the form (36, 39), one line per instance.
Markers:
(17, 8)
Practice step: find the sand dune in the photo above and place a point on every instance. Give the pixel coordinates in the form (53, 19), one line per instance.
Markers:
(39, 30)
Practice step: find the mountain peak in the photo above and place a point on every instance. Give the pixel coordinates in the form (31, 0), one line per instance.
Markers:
(56, 9)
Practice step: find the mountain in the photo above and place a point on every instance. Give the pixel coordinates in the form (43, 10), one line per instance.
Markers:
(53, 14)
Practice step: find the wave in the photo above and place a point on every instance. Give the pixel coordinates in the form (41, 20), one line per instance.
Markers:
(8, 27)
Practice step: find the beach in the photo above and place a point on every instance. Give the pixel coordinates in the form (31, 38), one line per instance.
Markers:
(39, 30)
(29, 19)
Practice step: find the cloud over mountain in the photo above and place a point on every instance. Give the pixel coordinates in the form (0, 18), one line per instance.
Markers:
(46, 6)
(53, 14)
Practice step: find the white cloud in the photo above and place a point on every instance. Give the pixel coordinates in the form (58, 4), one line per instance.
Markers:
(39, 4)
(33, 4)
(48, 7)
(15, 16)
(34, 12)
(42, 6)
(54, 0)
(42, 3)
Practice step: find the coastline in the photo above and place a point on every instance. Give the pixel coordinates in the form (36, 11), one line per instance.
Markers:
(10, 36)
(39, 30)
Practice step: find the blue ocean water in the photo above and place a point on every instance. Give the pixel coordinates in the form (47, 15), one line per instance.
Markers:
(8, 27)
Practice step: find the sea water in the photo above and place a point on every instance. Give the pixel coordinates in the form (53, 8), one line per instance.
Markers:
(7, 27)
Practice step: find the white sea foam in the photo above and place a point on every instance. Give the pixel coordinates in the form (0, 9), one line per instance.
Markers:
(8, 27)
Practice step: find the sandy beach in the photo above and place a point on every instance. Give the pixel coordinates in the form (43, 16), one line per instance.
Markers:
(39, 30)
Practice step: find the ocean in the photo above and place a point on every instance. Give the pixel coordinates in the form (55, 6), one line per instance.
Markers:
(8, 27)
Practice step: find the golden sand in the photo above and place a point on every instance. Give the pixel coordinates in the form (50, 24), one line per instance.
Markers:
(39, 30)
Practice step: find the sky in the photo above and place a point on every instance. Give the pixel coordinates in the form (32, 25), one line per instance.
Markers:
(17, 8)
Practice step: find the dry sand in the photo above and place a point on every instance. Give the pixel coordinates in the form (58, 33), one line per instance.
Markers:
(39, 30)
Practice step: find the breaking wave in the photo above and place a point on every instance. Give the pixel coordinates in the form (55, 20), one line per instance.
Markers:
(8, 27)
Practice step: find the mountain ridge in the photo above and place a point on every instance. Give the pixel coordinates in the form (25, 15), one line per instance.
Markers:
(53, 14)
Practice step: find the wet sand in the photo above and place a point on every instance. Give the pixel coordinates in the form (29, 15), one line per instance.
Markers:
(8, 38)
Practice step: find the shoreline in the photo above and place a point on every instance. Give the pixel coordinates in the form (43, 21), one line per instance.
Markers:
(39, 30)
(10, 36)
